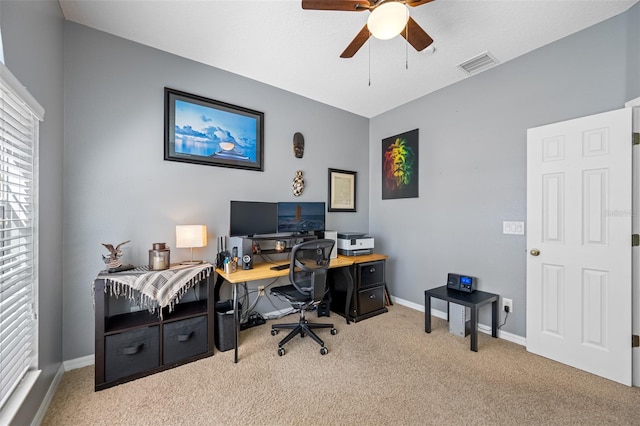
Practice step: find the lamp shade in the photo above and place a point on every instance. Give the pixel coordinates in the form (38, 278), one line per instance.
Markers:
(387, 20)
(191, 236)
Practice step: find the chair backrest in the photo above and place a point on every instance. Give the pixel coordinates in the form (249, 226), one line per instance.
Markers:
(309, 264)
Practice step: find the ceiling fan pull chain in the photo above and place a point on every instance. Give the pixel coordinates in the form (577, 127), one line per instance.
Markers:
(406, 46)
(369, 59)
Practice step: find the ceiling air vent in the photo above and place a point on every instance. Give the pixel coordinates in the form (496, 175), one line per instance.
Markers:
(478, 63)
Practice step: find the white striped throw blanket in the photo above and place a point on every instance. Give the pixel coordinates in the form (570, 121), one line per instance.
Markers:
(157, 289)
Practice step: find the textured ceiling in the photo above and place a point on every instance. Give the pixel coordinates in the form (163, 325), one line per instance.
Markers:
(279, 43)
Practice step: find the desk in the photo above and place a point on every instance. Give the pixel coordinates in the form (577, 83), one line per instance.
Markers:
(471, 300)
(263, 271)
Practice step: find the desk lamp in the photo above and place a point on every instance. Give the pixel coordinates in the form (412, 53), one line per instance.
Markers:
(190, 236)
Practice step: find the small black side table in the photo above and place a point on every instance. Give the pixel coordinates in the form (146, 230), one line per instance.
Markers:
(471, 300)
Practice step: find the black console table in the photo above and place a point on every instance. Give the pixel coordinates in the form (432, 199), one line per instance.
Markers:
(471, 300)
(130, 345)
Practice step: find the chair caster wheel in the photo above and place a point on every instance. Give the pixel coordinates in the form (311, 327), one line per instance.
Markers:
(323, 351)
(274, 332)
(280, 351)
(334, 331)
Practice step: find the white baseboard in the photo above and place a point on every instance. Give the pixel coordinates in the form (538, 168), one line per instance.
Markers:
(46, 401)
(481, 327)
(84, 361)
(72, 364)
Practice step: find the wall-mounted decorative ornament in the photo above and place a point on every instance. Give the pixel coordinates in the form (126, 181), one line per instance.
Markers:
(298, 184)
(298, 145)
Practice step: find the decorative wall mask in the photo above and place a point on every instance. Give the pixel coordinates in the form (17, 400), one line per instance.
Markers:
(298, 145)
(298, 184)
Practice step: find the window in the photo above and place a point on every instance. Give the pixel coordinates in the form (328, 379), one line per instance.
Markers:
(19, 122)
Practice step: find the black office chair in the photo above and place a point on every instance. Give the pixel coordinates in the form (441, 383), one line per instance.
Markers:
(308, 277)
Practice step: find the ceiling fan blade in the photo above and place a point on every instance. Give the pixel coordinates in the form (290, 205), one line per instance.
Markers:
(414, 3)
(416, 36)
(344, 5)
(357, 43)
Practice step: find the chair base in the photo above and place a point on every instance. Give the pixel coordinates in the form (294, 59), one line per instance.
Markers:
(303, 328)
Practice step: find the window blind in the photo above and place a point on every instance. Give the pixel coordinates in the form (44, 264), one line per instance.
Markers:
(19, 124)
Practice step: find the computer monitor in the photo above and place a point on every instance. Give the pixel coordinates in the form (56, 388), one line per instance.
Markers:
(248, 218)
(301, 218)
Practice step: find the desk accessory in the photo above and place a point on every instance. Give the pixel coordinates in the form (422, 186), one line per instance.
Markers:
(281, 246)
(280, 267)
(159, 257)
(247, 262)
(222, 253)
(190, 236)
(230, 265)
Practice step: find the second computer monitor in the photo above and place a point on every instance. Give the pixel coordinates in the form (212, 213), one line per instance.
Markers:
(301, 218)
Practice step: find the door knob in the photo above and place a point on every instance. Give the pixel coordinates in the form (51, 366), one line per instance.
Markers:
(534, 252)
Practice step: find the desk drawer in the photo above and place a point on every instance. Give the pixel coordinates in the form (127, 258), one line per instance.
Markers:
(371, 273)
(131, 352)
(184, 339)
(370, 299)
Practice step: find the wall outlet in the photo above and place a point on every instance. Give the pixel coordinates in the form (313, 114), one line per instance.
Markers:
(261, 290)
(507, 302)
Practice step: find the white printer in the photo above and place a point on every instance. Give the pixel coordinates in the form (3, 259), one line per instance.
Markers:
(354, 244)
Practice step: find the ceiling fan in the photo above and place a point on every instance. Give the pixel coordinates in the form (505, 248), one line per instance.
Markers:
(409, 29)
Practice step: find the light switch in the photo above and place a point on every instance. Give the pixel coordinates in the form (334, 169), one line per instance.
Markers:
(513, 228)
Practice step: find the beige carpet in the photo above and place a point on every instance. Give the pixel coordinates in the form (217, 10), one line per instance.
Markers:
(383, 370)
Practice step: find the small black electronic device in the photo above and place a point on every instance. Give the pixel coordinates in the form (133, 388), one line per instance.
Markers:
(247, 262)
(324, 309)
(463, 283)
(280, 267)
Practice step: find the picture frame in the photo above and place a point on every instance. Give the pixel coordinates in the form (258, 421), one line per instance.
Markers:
(342, 191)
(400, 166)
(200, 130)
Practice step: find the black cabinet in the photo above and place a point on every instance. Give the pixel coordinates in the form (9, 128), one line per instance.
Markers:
(368, 293)
(130, 345)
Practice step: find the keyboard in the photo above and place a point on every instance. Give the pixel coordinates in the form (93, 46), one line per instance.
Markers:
(280, 267)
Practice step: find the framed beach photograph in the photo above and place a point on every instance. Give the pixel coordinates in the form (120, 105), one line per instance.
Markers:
(205, 131)
(342, 191)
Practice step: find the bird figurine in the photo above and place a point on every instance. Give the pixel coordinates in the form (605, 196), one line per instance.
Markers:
(114, 259)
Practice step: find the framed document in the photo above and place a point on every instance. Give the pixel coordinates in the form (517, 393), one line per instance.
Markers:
(342, 191)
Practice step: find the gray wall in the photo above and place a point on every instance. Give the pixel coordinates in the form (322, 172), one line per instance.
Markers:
(118, 187)
(32, 34)
(473, 160)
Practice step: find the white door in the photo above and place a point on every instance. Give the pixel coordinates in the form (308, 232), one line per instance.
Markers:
(579, 177)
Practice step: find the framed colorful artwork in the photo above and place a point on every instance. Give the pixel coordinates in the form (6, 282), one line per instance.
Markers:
(205, 131)
(400, 172)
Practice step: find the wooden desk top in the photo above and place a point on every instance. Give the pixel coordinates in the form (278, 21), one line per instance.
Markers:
(262, 270)
(363, 258)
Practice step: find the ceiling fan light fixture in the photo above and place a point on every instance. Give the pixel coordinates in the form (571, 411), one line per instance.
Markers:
(388, 20)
